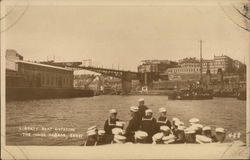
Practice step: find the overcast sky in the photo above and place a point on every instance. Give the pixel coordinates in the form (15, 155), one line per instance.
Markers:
(124, 35)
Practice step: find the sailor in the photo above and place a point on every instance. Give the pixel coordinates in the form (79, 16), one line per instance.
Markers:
(91, 136)
(190, 135)
(101, 137)
(220, 134)
(198, 128)
(157, 138)
(142, 107)
(110, 124)
(180, 135)
(148, 124)
(140, 136)
(207, 131)
(162, 120)
(133, 124)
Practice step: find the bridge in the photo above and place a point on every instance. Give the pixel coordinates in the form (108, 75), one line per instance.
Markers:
(126, 77)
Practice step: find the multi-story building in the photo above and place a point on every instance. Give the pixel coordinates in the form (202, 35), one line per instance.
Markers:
(155, 66)
(193, 66)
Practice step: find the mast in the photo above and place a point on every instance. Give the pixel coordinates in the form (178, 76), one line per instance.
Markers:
(201, 62)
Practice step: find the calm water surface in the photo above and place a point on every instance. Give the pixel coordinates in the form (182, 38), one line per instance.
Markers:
(81, 113)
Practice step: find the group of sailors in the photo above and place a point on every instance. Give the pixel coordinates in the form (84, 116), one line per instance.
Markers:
(144, 128)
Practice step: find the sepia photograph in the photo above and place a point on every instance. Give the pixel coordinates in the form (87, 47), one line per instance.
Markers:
(141, 79)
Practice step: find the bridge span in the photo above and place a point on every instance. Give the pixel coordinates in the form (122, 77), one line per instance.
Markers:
(126, 77)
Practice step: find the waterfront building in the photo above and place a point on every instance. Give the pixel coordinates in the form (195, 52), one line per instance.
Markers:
(20, 73)
(156, 66)
(191, 67)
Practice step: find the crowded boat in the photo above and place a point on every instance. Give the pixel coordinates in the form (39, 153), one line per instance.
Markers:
(143, 128)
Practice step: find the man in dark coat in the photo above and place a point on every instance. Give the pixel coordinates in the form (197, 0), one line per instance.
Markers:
(133, 124)
(148, 124)
(162, 120)
(109, 125)
(142, 108)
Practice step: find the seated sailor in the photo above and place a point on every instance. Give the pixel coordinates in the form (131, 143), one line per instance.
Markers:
(133, 124)
(91, 136)
(162, 120)
(207, 131)
(190, 135)
(110, 123)
(220, 134)
(180, 135)
(148, 124)
(101, 138)
(140, 136)
(198, 128)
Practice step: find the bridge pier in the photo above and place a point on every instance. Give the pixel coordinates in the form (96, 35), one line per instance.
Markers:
(126, 86)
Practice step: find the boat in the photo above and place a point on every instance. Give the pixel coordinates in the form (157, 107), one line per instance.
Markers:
(186, 94)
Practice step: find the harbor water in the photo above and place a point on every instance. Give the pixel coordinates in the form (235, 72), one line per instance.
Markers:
(74, 115)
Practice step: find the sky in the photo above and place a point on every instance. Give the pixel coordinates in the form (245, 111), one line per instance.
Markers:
(123, 35)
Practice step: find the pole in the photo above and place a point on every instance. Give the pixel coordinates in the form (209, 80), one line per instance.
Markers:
(201, 80)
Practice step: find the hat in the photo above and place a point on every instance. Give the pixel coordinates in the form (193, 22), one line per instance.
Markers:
(148, 111)
(119, 139)
(179, 123)
(221, 130)
(117, 131)
(175, 119)
(193, 127)
(141, 135)
(120, 124)
(203, 139)
(194, 120)
(101, 132)
(157, 137)
(189, 130)
(181, 128)
(168, 139)
(164, 128)
(134, 109)
(91, 132)
(198, 126)
(162, 109)
(112, 111)
(206, 128)
(92, 128)
(141, 99)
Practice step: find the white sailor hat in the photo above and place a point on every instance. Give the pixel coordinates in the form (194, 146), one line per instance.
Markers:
(120, 124)
(194, 120)
(179, 123)
(164, 128)
(141, 135)
(148, 111)
(119, 138)
(158, 136)
(112, 111)
(91, 132)
(168, 139)
(203, 139)
(193, 127)
(189, 130)
(198, 126)
(175, 119)
(219, 129)
(162, 109)
(92, 128)
(117, 131)
(134, 108)
(181, 128)
(141, 100)
(101, 132)
(206, 128)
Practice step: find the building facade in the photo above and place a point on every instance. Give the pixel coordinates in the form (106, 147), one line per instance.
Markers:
(155, 66)
(21, 73)
(193, 66)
